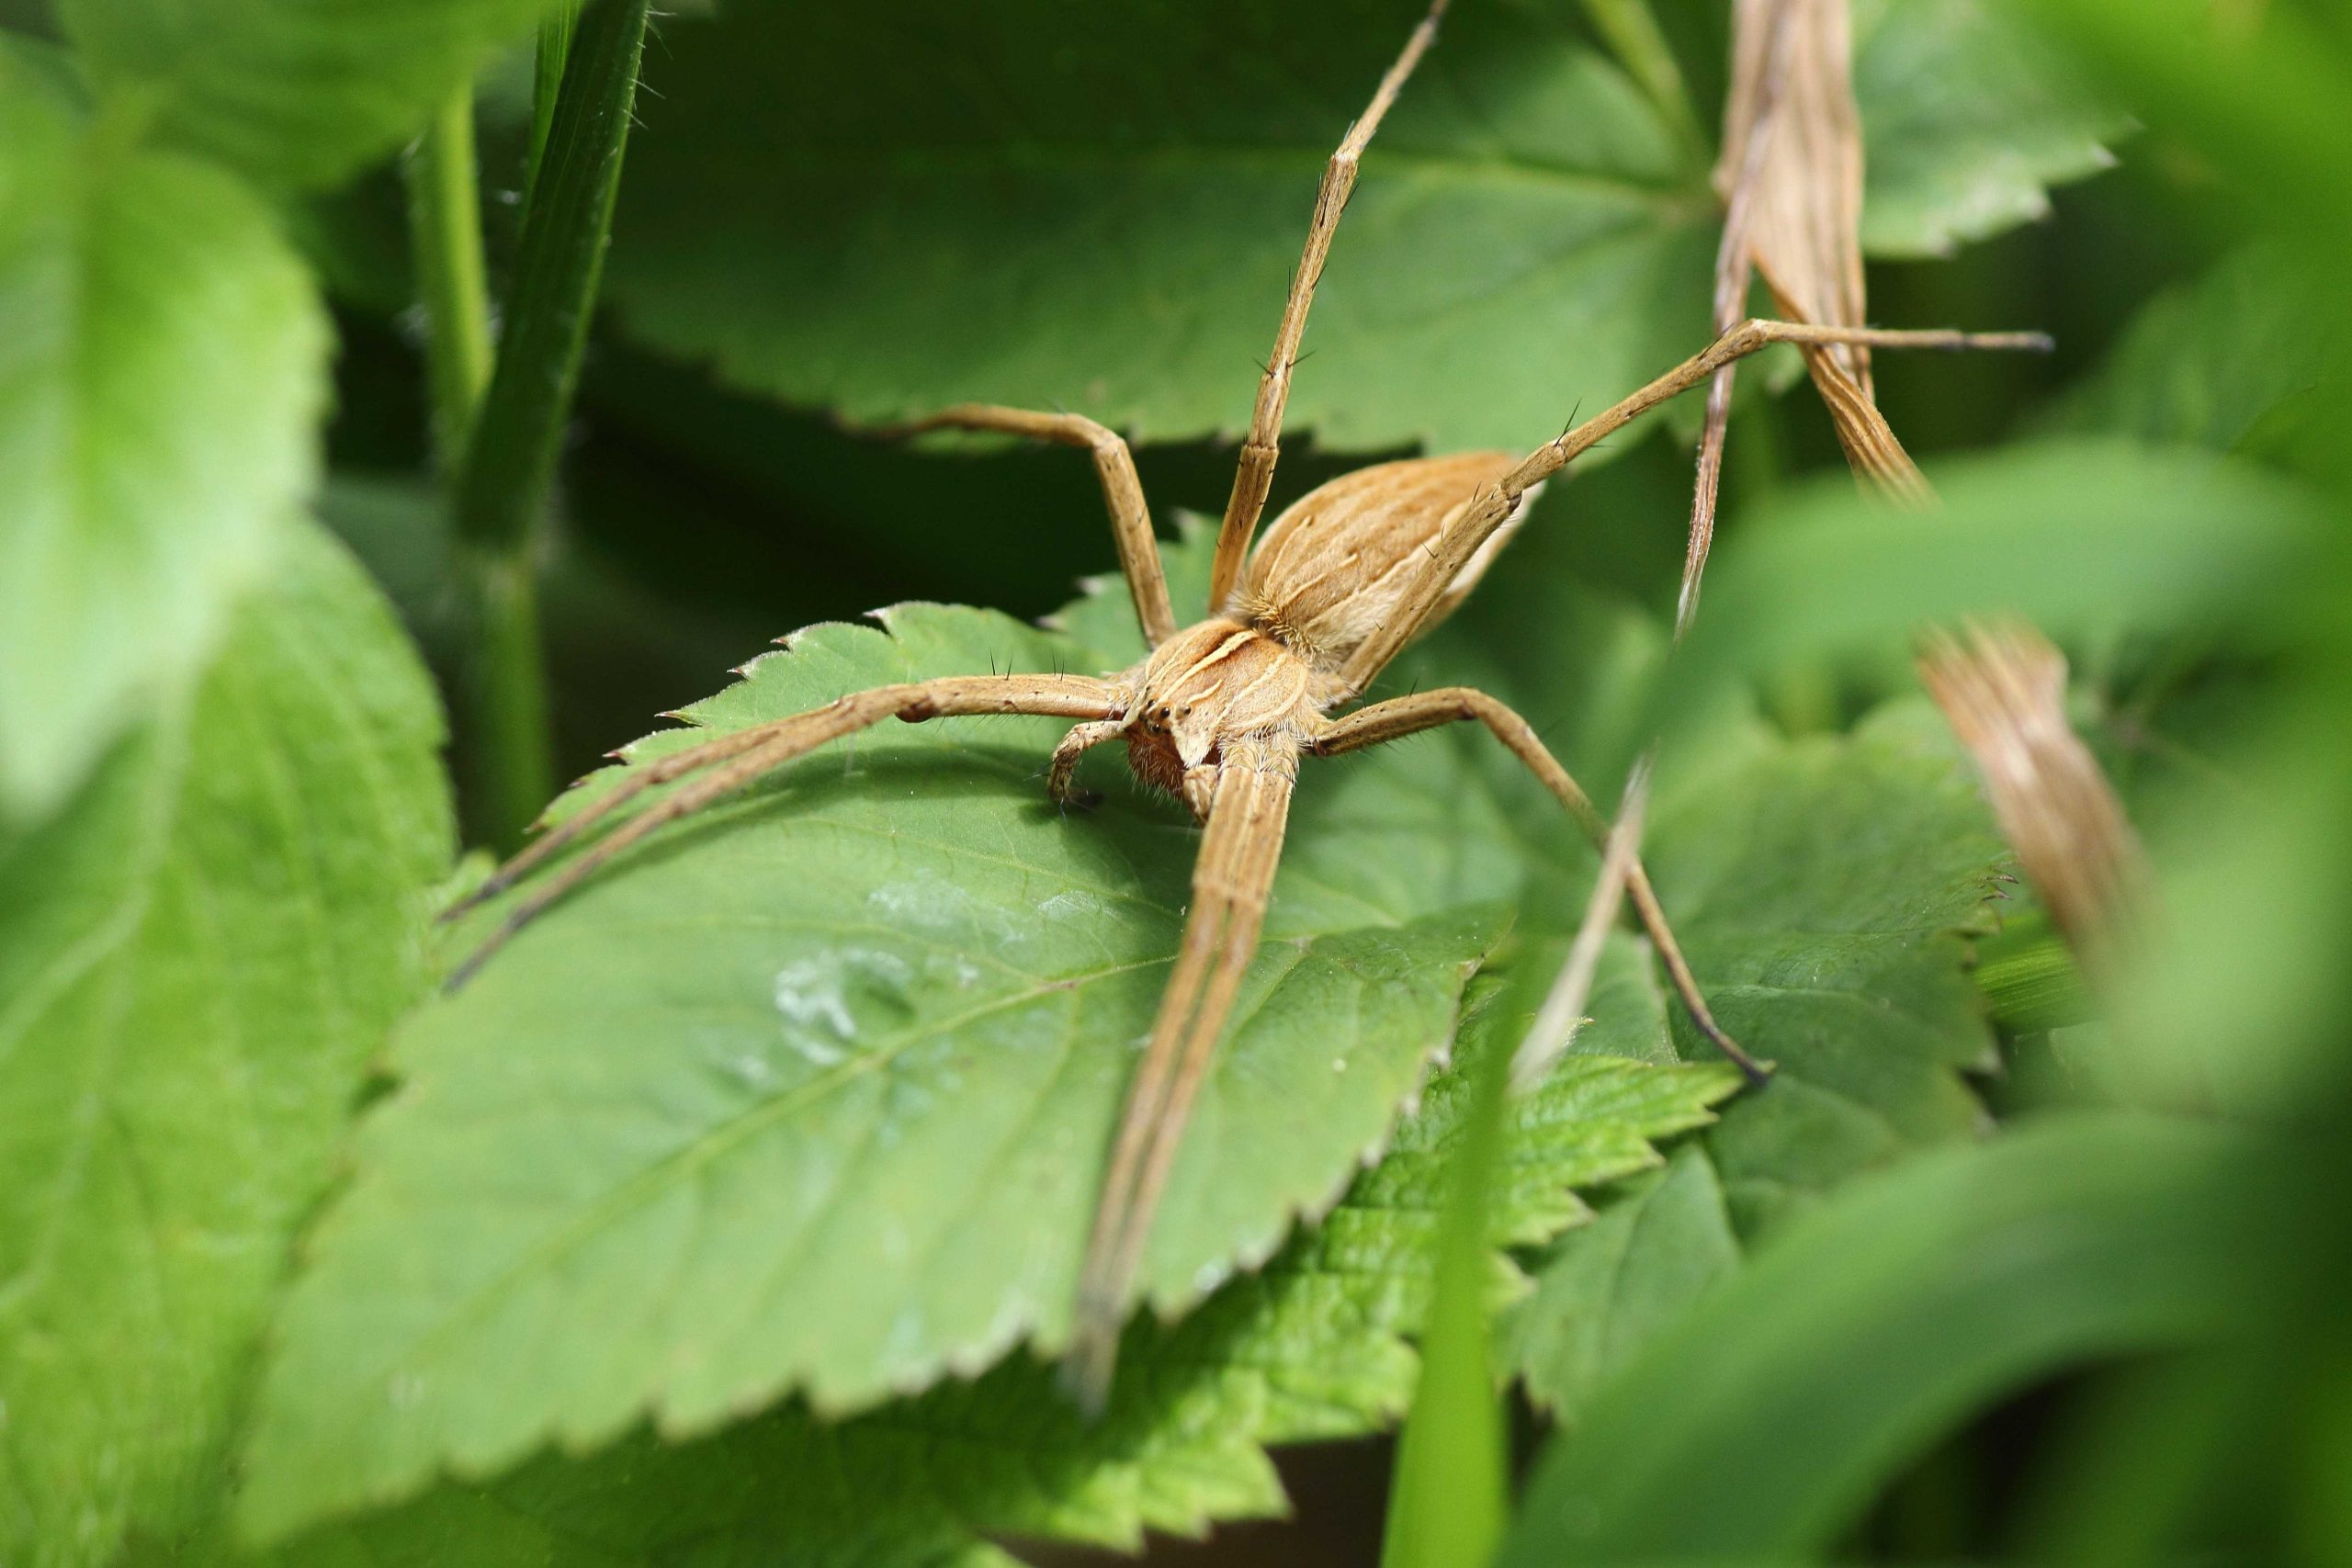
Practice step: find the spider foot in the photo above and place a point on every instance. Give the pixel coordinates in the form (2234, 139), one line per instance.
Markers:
(1074, 798)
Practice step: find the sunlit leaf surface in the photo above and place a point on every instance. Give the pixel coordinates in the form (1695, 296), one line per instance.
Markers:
(198, 956)
(164, 358)
(292, 92)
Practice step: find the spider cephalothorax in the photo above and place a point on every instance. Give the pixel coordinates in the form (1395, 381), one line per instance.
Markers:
(1206, 690)
(1220, 713)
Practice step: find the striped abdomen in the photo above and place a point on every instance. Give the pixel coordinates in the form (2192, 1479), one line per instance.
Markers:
(1332, 567)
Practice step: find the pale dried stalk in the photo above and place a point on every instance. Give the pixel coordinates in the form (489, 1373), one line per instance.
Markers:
(1791, 97)
(1562, 1014)
(1759, 65)
(1792, 158)
(2003, 690)
(1791, 177)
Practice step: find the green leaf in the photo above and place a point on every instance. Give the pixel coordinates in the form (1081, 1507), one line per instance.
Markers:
(1310, 1347)
(164, 366)
(2203, 364)
(2072, 534)
(198, 956)
(297, 93)
(1102, 212)
(1822, 888)
(814, 1093)
(1967, 122)
(591, 1064)
(45, 67)
(1764, 1420)
(1825, 890)
(1604, 1289)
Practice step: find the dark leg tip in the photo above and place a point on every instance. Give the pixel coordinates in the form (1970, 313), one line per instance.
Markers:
(474, 900)
(1758, 1074)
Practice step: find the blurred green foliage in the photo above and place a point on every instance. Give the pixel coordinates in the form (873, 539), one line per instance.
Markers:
(2003, 1267)
(167, 366)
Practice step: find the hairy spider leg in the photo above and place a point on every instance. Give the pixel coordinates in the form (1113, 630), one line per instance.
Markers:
(732, 761)
(1122, 494)
(1061, 774)
(1231, 882)
(1255, 475)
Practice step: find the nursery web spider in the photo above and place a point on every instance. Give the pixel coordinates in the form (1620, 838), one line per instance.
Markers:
(1220, 713)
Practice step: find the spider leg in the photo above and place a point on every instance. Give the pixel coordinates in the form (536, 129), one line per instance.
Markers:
(1230, 886)
(1122, 492)
(1401, 716)
(646, 776)
(1060, 782)
(1493, 506)
(1256, 473)
(750, 752)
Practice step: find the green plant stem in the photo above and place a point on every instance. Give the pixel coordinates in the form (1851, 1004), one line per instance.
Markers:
(503, 689)
(445, 238)
(555, 47)
(514, 763)
(502, 490)
(510, 466)
(1632, 36)
(1447, 1504)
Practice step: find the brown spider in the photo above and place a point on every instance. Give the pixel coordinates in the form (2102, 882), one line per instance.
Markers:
(1220, 713)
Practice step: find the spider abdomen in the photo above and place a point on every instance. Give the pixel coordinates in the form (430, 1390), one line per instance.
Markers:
(1332, 568)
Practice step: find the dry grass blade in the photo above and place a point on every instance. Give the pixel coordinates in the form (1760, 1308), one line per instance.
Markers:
(1792, 177)
(1562, 1014)
(2003, 690)
(1795, 143)
(1762, 40)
